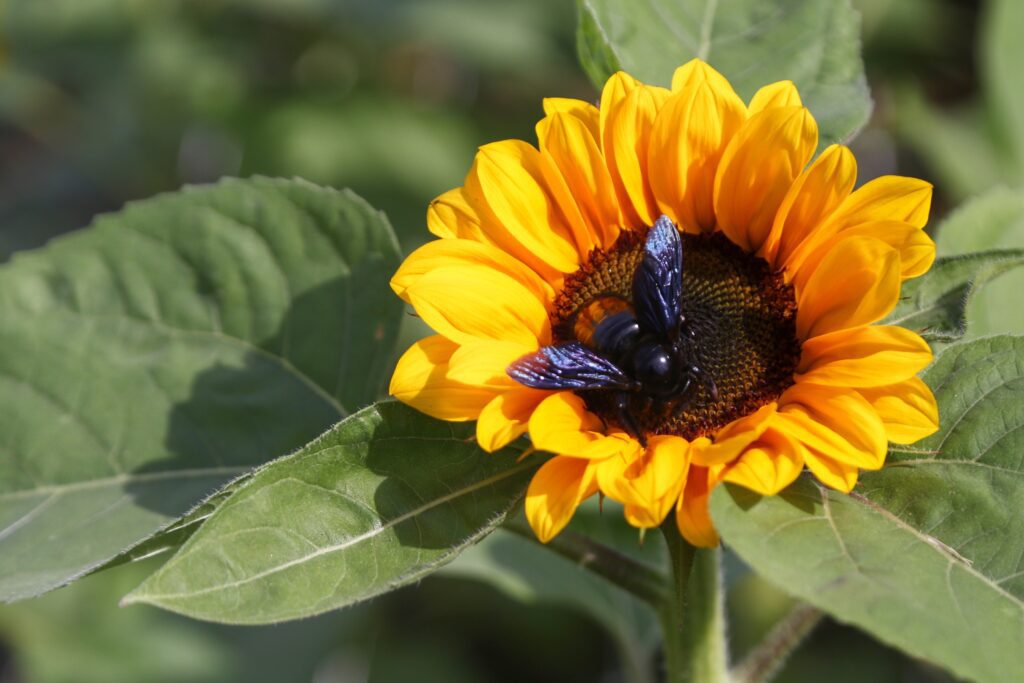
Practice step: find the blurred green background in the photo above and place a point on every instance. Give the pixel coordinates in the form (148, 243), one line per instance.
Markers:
(105, 101)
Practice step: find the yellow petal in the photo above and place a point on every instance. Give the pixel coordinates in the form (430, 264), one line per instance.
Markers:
(915, 248)
(505, 418)
(472, 302)
(450, 216)
(691, 132)
(889, 198)
(730, 441)
(856, 283)
(555, 491)
(626, 132)
(757, 170)
(907, 409)
(696, 72)
(614, 92)
(692, 515)
(421, 381)
(834, 421)
(773, 95)
(832, 473)
(455, 251)
(584, 111)
(815, 194)
(648, 483)
(769, 465)
(508, 179)
(576, 153)
(562, 424)
(483, 363)
(863, 357)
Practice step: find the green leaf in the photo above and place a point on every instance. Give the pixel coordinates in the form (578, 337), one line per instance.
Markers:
(752, 42)
(935, 304)
(993, 220)
(168, 349)
(382, 499)
(930, 555)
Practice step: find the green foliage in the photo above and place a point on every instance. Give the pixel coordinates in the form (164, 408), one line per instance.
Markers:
(650, 38)
(992, 220)
(928, 556)
(382, 499)
(158, 365)
(935, 304)
(170, 348)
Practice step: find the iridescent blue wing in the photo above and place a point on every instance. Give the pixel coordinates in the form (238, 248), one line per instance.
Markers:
(568, 366)
(658, 281)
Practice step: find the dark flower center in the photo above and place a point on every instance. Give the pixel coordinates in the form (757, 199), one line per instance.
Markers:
(741, 312)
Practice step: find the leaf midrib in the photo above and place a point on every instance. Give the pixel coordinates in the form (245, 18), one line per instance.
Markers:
(326, 550)
(927, 540)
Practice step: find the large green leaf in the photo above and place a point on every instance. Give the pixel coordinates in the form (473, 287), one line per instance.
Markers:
(382, 499)
(929, 555)
(992, 220)
(935, 304)
(752, 42)
(170, 347)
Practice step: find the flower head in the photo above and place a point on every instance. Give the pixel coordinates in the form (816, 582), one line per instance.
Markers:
(770, 363)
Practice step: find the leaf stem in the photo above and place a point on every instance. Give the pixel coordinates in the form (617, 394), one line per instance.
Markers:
(633, 576)
(765, 660)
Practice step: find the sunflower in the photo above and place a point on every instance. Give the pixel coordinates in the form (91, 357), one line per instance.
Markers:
(786, 270)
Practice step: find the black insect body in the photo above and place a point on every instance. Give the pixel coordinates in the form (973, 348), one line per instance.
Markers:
(646, 349)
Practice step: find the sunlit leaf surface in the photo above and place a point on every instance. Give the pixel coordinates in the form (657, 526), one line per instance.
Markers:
(379, 501)
(171, 347)
(752, 42)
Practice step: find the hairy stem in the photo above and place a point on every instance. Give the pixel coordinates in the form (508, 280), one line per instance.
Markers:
(633, 576)
(767, 658)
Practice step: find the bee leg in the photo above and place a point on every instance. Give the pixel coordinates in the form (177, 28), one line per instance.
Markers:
(685, 398)
(626, 418)
(709, 383)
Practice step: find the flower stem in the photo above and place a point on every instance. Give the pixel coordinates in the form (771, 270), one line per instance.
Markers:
(693, 618)
(633, 576)
(767, 658)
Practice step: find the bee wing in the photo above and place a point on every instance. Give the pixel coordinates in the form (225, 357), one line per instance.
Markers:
(658, 281)
(568, 366)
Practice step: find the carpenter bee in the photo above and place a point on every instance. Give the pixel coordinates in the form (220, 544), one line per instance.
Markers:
(644, 348)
